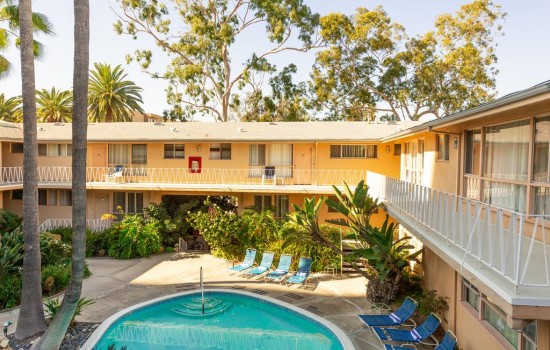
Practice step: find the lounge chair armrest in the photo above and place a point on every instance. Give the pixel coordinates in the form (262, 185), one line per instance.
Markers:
(409, 323)
(408, 345)
(381, 307)
(431, 341)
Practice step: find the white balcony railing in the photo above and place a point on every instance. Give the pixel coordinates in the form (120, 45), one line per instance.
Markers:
(512, 244)
(251, 176)
(95, 225)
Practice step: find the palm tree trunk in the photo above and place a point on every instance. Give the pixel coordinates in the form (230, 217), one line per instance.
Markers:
(54, 335)
(31, 316)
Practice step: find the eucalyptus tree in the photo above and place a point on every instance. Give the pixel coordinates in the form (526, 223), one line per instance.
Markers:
(31, 315)
(372, 68)
(56, 332)
(200, 38)
(9, 31)
(111, 96)
(54, 105)
(10, 108)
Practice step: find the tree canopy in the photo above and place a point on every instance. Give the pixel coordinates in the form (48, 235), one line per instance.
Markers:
(372, 68)
(200, 36)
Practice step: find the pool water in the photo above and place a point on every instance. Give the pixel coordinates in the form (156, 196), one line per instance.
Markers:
(233, 321)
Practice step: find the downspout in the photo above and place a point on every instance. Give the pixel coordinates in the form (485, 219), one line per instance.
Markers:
(316, 165)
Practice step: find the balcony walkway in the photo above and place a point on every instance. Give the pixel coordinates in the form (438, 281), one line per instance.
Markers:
(506, 251)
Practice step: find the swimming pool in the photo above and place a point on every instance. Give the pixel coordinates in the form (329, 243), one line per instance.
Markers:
(234, 320)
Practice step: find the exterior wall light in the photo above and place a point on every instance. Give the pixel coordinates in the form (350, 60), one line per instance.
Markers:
(455, 142)
(199, 148)
(388, 149)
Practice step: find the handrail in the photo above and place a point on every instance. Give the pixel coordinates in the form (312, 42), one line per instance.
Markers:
(515, 245)
(254, 175)
(94, 225)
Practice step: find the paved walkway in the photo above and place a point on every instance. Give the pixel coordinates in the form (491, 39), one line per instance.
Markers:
(117, 284)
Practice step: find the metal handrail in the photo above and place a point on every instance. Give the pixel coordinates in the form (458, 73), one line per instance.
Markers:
(515, 245)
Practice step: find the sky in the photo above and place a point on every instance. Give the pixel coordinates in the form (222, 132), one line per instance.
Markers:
(523, 51)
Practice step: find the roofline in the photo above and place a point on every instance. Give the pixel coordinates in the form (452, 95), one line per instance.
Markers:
(513, 97)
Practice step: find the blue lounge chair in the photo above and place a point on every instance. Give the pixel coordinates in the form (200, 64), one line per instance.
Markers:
(304, 269)
(448, 343)
(247, 263)
(265, 265)
(397, 318)
(281, 271)
(416, 335)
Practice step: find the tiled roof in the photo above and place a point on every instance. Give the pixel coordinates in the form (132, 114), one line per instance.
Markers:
(222, 132)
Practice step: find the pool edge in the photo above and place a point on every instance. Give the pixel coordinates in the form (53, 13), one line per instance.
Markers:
(104, 326)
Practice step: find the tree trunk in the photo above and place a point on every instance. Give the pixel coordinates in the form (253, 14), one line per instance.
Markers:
(31, 316)
(382, 292)
(54, 335)
(109, 116)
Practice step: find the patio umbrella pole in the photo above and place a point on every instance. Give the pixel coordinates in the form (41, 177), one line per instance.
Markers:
(202, 293)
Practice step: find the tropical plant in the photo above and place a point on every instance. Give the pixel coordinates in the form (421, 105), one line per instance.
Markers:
(111, 97)
(134, 237)
(31, 319)
(9, 221)
(9, 26)
(53, 307)
(11, 254)
(202, 77)
(10, 109)
(54, 105)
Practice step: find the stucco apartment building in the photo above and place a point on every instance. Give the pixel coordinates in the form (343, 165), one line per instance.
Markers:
(473, 188)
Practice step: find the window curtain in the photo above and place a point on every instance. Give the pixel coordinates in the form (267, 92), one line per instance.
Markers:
(280, 156)
(118, 154)
(139, 154)
(507, 151)
(257, 154)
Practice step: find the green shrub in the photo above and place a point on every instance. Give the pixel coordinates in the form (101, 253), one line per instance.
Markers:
(53, 250)
(11, 253)
(97, 243)
(9, 221)
(64, 232)
(10, 291)
(56, 277)
(52, 307)
(429, 301)
(133, 237)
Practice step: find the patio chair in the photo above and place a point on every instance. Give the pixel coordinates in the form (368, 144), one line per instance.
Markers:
(247, 262)
(116, 174)
(300, 277)
(448, 343)
(265, 265)
(397, 318)
(416, 335)
(281, 271)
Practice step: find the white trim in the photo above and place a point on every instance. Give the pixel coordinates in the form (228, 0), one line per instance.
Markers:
(104, 326)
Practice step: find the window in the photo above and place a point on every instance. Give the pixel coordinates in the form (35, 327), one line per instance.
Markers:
(55, 150)
(442, 146)
(353, 151)
(42, 197)
(257, 155)
(473, 152)
(55, 197)
(397, 149)
(174, 151)
(220, 151)
(133, 199)
(118, 154)
(16, 148)
(529, 337)
(507, 151)
(278, 204)
(139, 154)
(65, 197)
(17, 194)
(495, 317)
(471, 295)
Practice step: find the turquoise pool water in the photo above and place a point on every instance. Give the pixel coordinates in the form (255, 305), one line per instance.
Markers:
(235, 321)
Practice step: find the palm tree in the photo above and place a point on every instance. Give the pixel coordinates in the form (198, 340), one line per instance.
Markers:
(56, 332)
(111, 97)
(10, 109)
(54, 105)
(9, 27)
(31, 315)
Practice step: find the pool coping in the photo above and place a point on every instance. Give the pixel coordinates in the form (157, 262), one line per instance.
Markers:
(104, 326)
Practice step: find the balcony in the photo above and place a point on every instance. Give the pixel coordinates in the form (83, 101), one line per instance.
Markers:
(254, 179)
(505, 250)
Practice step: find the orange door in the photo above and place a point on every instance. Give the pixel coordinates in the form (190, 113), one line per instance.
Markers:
(98, 162)
(302, 166)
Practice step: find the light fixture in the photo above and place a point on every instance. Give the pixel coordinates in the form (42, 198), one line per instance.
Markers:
(199, 148)
(455, 142)
(388, 149)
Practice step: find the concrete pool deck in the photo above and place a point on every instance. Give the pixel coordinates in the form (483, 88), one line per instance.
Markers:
(118, 284)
